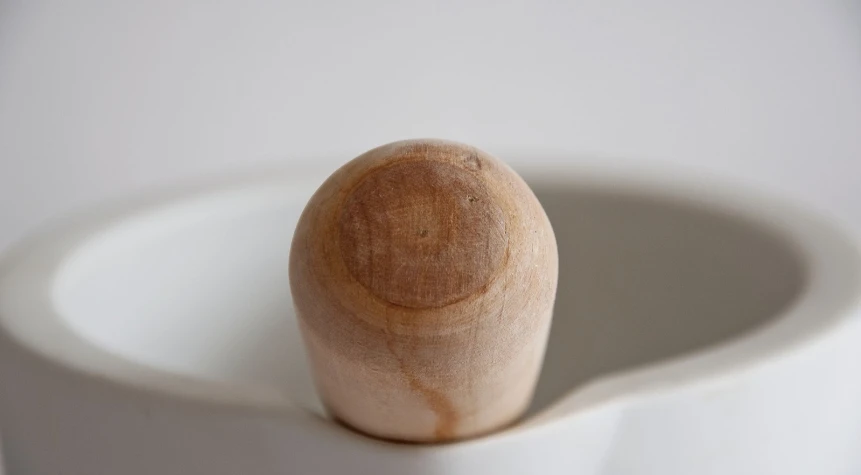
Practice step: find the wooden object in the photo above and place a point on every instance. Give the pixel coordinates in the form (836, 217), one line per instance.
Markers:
(423, 275)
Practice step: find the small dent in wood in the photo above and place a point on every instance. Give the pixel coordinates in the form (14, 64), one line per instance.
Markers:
(472, 162)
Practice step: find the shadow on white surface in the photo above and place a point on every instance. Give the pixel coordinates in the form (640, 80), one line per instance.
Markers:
(644, 279)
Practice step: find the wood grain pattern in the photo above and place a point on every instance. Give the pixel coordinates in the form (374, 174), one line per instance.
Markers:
(423, 274)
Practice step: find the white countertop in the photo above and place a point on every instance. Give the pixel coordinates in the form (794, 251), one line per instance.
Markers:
(99, 99)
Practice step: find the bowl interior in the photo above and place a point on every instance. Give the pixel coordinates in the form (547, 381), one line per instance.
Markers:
(200, 287)
(644, 278)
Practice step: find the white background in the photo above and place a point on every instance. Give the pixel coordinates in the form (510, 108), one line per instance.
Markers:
(99, 99)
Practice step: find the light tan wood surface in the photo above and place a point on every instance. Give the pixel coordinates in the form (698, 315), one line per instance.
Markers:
(423, 274)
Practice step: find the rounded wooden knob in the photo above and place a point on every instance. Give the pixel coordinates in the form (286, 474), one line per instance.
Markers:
(423, 274)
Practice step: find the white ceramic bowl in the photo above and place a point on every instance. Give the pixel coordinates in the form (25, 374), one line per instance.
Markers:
(699, 328)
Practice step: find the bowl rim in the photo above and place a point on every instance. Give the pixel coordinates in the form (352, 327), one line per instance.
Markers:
(830, 299)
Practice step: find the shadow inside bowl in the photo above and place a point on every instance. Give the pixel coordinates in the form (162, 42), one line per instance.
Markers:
(646, 278)
(195, 290)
